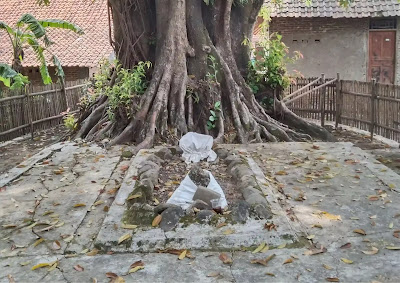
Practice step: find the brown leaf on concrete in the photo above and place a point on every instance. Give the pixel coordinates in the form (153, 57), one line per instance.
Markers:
(360, 231)
(115, 278)
(137, 263)
(225, 258)
(262, 261)
(332, 279)
(289, 260)
(213, 274)
(93, 252)
(78, 268)
(346, 246)
(56, 245)
(315, 251)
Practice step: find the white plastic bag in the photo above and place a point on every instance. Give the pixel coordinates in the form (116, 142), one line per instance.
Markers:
(183, 195)
(197, 147)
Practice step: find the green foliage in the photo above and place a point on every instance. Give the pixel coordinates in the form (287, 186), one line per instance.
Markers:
(11, 78)
(269, 68)
(271, 55)
(32, 33)
(213, 66)
(70, 122)
(214, 115)
(130, 83)
(191, 93)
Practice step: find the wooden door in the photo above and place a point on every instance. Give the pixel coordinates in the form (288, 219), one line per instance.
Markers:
(382, 46)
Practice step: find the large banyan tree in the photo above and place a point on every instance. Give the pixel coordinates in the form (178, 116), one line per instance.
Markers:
(179, 37)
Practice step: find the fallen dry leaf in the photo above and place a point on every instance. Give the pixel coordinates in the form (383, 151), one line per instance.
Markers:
(265, 249)
(135, 269)
(259, 248)
(93, 252)
(372, 251)
(270, 274)
(79, 205)
(345, 260)
(56, 245)
(332, 279)
(41, 265)
(156, 220)
(346, 246)
(69, 238)
(360, 231)
(327, 267)
(182, 255)
(213, 274)
(392, 248)
(315, 251)
(281, 173)
(78, 268)
(98, 202)
(396, 234)
(124, 238)
(134, 196)
(115, 278)
(262, 261)
(289, 260)
(137, 265)
(128, 226)
(38, 242)
(225, 258)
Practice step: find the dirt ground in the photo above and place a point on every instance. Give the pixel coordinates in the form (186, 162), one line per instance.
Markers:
(14, 153)
(175, 171)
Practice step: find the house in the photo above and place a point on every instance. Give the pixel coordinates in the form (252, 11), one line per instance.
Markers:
(359, 42)
(79, 55)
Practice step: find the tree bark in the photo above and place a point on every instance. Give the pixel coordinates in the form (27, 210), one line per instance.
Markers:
(181, 37)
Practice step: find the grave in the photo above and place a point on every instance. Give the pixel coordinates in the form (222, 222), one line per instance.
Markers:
(141, 207)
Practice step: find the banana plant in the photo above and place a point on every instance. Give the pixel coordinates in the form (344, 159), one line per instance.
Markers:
(11, 78)
(30, 32)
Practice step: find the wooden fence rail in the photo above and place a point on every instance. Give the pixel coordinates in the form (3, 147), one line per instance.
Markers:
(369, 106)
(38, 109)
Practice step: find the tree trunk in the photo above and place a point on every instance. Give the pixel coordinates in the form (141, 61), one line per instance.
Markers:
(182, 38)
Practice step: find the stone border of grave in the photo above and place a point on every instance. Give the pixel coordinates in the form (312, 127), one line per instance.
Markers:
(239, 169)
(196, 235)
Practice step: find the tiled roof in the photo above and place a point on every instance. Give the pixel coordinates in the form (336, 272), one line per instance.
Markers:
(72, 50)
(332, 9)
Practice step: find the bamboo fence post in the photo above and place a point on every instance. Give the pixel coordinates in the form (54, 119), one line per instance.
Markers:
(64, 94)
(29, 106)
(373, 98)
(338, 101)
(322, 101)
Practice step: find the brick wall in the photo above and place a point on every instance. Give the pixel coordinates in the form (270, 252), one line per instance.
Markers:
(71, 74)
(328, 45)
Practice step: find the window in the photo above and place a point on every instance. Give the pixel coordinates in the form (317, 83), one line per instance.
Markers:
(383, 23)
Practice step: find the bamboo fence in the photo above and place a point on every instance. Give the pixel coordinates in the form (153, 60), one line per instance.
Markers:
(367, 106)
(37, 108)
